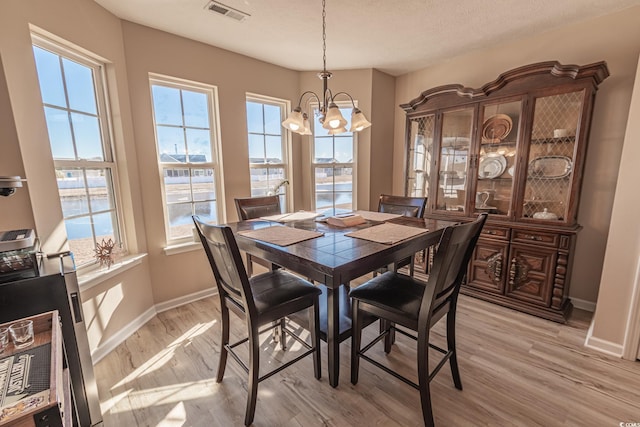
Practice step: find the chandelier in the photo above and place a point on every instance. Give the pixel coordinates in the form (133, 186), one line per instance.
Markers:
(330, 116)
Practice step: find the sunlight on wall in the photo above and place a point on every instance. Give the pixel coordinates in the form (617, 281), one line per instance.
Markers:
(99, 310)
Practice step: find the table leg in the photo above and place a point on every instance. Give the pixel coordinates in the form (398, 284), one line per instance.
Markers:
(333, 334)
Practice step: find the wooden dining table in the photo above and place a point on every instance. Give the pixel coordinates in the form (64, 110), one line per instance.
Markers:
(334, 259)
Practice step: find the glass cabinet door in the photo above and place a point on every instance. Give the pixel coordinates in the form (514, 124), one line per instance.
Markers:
(420, 156)
(551, 156)
(453, 161)
(497, 160)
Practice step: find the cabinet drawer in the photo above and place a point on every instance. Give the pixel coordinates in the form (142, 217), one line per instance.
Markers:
(495, 232)
(537, 237)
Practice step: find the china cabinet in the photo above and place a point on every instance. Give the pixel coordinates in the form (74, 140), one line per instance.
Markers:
(514, 148)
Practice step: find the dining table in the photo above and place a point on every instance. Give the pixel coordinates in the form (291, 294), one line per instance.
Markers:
(334, 256)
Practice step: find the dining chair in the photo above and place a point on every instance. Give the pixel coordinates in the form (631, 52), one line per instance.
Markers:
(255, 207)
(264, 299)
(406, 206)
(398, 299)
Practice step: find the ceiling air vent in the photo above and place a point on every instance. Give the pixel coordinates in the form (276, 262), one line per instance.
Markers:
(223, 9)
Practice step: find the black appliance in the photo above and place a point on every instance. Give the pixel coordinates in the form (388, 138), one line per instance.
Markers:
(56, 288)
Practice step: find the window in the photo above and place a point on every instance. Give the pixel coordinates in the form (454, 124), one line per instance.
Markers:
(72, 87)
(268, 150)
(333, 166)
(186, 138)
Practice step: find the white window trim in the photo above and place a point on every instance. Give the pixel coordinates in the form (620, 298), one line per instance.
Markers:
(59, 46)
(216, 148)
(285, 106)
(354, 189)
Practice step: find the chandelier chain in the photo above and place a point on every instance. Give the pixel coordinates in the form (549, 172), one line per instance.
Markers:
(324, 36)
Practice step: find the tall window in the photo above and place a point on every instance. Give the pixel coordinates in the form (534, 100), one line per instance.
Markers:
(268, 159)
(186, 139)
(72, 89)
(333, 166)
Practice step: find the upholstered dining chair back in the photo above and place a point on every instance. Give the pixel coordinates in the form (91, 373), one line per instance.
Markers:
(255, 207)
(402, 205)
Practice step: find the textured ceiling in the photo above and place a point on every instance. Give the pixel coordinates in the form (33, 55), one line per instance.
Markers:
(395, 36)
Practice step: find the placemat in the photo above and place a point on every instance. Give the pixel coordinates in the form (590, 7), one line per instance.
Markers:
(281, 235)
(291, 217)
(377, 216)
(387, 233)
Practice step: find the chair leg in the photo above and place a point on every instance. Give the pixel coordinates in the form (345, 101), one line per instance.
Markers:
(389, 339)
(283, 337)
(254, 371)
(423, 379)
(314, 323)
(356, 337)
(224, 340)
(451, 346)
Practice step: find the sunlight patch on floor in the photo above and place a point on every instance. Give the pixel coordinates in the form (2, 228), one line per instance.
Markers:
(165, 355)
(171, 394)
(175, 418)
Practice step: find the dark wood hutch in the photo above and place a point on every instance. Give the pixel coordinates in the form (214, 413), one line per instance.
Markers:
(514, 148)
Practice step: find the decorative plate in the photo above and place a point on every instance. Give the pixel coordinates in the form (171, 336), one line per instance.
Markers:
(496, 128)
(492, 167)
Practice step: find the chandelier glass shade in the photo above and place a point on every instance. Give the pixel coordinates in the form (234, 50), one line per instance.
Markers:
(330, 116)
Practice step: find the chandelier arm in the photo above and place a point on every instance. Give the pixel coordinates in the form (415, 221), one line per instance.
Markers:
(308, 92)
(353, 103)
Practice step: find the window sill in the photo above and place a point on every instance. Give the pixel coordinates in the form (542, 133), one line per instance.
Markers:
(95, 277)
(182, 247)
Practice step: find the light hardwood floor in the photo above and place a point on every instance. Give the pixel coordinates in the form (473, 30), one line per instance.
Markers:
(517, 370)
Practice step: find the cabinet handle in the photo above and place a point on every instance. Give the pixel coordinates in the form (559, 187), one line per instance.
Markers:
(532, 237)
(513, 271)
(494, 266)
(498, 270)
(492, 232)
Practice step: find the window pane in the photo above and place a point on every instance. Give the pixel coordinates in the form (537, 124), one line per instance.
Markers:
(103, 225)
(198, 145)
(206, 211)
(99, 181)
(254, 117)
(80, 89)
(196, 110)
(344, 149)
(59, 133)
(167, 106)
(50, 77)
(180, 221)
(80, 238)
(177, 185)
(72, 190)
(171, 144)
(86, 130)
(272, 119)
(323, 148)
(256, 149)
(274, 149)
(203, 184)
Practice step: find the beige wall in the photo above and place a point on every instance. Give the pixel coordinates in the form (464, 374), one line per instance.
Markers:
(613, 38)
(26, 146)
(622, 258)
(151, 51)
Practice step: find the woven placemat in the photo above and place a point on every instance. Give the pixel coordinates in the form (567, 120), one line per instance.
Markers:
(387, 233)
(281, 235)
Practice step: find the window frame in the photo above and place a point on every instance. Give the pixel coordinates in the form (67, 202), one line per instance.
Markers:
(216, 150)
(103, 114)
(314, 107)
(284, 106)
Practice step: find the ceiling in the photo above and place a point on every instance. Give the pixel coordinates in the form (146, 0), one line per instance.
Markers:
(394, 36)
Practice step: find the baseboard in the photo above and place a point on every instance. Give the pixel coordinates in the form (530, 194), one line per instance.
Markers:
(583, 304)
(115, 340)
(604, 346)
(177, 302)
(118, 338)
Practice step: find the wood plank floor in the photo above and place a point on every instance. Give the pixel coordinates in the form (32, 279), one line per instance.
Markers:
(517, 370)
